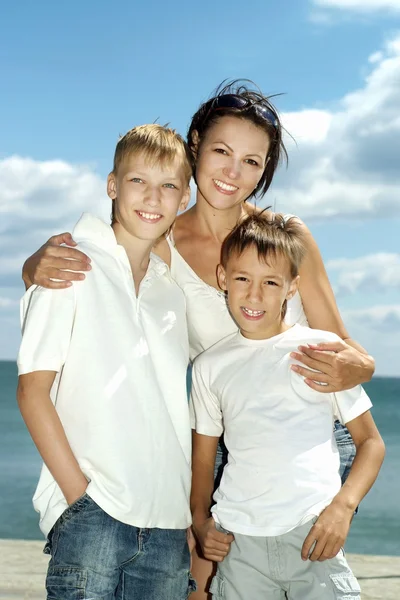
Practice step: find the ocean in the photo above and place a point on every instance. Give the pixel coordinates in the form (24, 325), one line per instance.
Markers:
(375, 530)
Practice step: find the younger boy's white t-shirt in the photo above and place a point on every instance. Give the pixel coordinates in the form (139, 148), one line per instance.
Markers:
(120, 389)
(283, 463)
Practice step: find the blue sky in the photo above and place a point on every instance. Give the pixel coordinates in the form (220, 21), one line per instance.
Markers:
(76, 75)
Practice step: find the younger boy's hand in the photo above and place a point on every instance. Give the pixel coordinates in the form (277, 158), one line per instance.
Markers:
(214, 544)
(328, 533)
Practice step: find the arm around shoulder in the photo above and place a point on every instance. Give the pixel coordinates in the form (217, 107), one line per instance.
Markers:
(54, 261)
(345, 363)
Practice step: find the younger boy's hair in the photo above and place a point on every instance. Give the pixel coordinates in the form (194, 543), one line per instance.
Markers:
(272, 234)
(159, 144)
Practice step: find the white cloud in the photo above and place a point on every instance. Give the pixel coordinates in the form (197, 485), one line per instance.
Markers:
(38, 199)
(310, 126)
(46, 192)
(345, 162)
(7, 303)
(381, 318)
(375, 57)
(365, 6)
(373, 273)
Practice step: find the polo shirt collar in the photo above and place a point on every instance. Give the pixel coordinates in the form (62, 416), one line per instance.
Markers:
(90, 227)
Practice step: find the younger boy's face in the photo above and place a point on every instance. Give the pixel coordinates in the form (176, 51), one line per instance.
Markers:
(257, 291)
(147, 196)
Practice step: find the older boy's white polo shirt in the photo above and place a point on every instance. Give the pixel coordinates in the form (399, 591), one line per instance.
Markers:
(120, 391)
(283, 464)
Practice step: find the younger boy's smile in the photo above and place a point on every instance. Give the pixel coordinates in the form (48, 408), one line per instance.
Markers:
(256, 291)
(253, 315)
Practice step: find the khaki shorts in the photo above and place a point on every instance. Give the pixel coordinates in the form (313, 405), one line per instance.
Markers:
(271, 568)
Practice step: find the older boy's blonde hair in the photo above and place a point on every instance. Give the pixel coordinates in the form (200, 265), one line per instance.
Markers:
(159, 145)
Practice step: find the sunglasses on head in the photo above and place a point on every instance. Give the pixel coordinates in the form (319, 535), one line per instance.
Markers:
(234, 101)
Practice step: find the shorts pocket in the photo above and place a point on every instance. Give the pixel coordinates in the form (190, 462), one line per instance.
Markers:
(347, 586)
(66, 583)
(217, 587)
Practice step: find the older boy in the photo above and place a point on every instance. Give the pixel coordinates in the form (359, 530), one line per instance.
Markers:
(102, 391)
(280, 495)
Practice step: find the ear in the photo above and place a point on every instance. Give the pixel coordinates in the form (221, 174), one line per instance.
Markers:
(185, 199)
(294, 286)
(112, 186)
(221, 277)
(194, 142)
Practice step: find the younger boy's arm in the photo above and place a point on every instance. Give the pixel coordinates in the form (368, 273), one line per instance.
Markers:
(214, 544)
(48, 434)
(206, 420)
(331, 529)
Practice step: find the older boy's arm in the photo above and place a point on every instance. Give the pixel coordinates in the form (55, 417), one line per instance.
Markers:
(214, 544)
(48, 434)
(331, 529)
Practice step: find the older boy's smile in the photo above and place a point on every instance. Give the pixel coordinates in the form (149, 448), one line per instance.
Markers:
(149, 217)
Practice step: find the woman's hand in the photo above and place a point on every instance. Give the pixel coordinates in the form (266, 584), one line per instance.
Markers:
(340, 366)
(53, 261)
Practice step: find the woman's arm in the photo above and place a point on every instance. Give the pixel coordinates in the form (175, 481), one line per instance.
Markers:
(51, 262)
(343, 365)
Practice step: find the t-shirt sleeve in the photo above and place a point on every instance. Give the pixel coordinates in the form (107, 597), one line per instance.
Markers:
(350, 404)
(346, 405)
(47, 318)
(205, 409)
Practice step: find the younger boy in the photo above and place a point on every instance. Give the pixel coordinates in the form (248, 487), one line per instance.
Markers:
(102, 390)
(280, 516)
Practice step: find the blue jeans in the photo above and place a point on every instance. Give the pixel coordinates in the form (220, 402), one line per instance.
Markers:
(96, 557)
(344, 441)
(346, 447)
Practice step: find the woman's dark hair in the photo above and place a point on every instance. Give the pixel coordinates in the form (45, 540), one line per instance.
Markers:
(242, 99)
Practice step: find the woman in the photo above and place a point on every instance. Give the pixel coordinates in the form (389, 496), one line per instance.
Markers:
(236, 140)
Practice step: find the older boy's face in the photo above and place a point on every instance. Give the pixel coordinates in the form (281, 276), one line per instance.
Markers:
(257, 291)
(147, 196)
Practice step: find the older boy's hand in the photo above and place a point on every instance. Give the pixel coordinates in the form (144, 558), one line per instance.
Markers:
(328, 533)
(214, 544)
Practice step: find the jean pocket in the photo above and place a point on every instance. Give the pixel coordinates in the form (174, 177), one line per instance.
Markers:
(192, 585)
(217, 587)
(75, 507)
(66, 583)
(346, 586)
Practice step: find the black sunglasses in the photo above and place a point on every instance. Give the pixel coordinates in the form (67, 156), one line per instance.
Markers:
(234, 101)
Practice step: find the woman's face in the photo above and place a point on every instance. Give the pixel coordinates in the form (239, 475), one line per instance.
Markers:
(231, 161)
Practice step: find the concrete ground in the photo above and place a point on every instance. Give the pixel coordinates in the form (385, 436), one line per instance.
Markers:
(23, 566)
